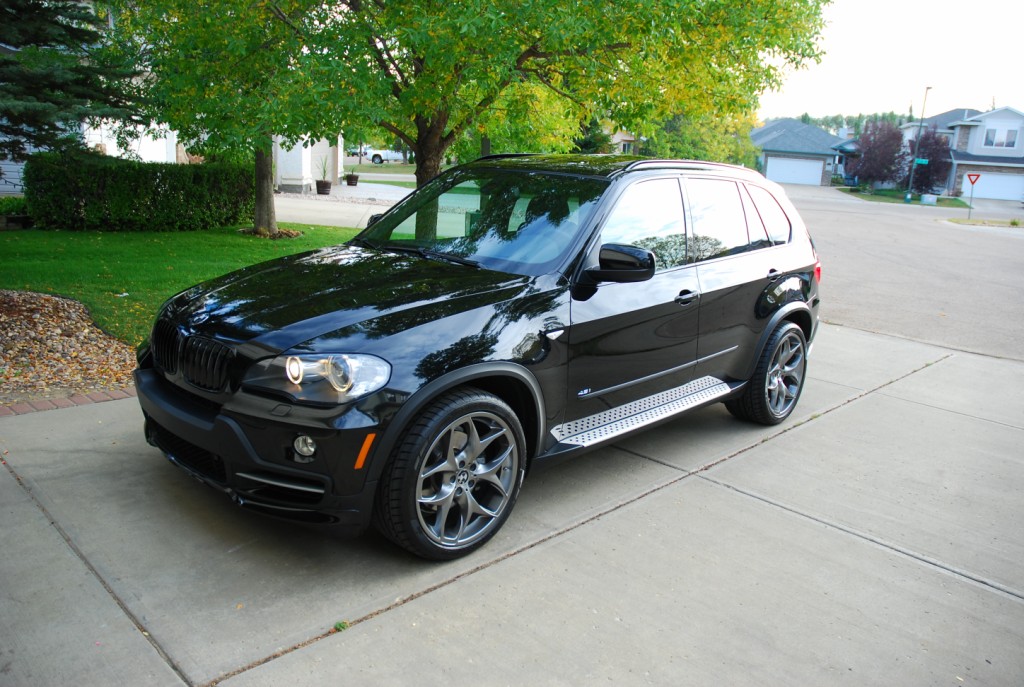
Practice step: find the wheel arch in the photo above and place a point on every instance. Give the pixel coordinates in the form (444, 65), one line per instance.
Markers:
(797, 313)
(512, 383)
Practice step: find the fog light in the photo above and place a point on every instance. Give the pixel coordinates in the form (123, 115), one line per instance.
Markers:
(304, 445)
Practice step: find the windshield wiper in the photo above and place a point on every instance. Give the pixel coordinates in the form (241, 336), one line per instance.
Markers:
(431, 254)
(365, 243)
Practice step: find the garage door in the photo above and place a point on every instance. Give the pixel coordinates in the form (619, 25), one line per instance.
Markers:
(785, 170)
(997, 186)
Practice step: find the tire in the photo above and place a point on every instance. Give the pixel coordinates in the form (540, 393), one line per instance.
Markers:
(377, 160)
(453, 480)
(772, 393)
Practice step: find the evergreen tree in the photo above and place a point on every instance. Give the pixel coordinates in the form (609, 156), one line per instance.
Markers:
(52, 77)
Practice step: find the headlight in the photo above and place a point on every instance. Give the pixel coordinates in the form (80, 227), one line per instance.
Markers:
(320, 378)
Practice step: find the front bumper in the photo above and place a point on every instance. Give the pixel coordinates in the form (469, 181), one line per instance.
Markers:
(247, 457)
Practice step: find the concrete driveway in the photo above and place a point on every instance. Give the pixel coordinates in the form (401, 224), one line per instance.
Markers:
(872, 539)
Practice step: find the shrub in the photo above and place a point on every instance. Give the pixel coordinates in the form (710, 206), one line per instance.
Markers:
(88, 191)
(12, 205)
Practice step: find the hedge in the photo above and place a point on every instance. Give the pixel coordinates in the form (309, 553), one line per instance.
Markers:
(89, 191)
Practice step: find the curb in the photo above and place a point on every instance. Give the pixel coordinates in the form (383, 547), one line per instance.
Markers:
(26, 407)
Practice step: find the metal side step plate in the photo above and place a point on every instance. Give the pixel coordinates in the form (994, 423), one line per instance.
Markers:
(640, 413)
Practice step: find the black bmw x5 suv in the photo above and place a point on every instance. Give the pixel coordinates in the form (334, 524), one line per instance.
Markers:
(514, 309)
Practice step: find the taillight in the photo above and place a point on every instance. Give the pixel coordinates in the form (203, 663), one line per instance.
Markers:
(817, 271)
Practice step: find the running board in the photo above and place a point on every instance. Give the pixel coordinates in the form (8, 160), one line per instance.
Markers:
(611, 423)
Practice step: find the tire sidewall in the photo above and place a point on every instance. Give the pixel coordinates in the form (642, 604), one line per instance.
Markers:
(780, 335)
(413, 452)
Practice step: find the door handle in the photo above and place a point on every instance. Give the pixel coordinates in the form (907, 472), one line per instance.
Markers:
(686, 297)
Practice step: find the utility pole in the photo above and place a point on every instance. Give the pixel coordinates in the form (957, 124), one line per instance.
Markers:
(917, 143)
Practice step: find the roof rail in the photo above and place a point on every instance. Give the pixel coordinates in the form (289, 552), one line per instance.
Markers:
(499, 156)
(686, 164)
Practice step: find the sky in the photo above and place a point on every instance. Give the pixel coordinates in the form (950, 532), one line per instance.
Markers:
(880, 55)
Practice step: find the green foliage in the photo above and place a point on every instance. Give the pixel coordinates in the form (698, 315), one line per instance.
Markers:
(83, 191)
(723, 138)
(592, 139)
(12, 205)
(124, 277)
(54, 78)
(858, 122)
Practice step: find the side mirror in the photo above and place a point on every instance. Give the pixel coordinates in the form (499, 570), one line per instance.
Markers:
(620, 263)
(373, 219)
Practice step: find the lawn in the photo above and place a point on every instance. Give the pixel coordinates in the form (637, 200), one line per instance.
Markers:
(124, 277)
(894, 196)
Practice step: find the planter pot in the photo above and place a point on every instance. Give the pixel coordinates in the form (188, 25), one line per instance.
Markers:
(323, 188)
(351, 179)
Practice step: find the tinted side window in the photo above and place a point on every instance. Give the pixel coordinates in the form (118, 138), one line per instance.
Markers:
(755, 227)
(649, 214)
(719, 225)
(775, 220)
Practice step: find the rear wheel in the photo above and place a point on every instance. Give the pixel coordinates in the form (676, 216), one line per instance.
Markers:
(772, 393)
(452, 482)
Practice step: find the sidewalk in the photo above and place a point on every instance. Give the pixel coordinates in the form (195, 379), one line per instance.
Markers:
(872, 539)
(346, 206)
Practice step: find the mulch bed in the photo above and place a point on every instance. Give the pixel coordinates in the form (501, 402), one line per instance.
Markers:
(50, 348)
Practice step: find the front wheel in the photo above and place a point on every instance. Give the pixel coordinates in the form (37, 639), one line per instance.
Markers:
(452, 482)
(377, 160)
(772, 393)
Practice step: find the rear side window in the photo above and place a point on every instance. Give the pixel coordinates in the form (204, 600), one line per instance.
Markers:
(716, 212)
(775, 220)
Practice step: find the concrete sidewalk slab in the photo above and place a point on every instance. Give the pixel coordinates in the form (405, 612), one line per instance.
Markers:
(806, 553)
(938, 485)
(696, 584)
(59, 625)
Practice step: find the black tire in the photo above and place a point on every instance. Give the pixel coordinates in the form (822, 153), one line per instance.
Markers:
(453, 480)
(772, 393)
(377, 160)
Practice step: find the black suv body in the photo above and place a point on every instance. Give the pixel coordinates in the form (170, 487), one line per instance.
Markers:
(514, 309)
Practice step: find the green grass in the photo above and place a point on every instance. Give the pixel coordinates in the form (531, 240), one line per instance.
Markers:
(895, 196)
(403, 184)
(124, 277)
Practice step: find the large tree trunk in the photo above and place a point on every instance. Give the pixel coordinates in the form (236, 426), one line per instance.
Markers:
(429, 153)
(266, 220)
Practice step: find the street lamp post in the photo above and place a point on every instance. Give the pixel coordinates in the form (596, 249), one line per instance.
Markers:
(917, 143)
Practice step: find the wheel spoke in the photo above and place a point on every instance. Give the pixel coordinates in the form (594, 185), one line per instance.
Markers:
(467, 480)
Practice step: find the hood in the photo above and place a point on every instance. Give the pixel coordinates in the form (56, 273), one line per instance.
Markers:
(282, 303)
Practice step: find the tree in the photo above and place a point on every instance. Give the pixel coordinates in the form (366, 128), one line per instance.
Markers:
(883, 157)
(429, 71)
(935, 149)
(723, 138)
(592, 139)
(226, 75)
(527, 118)
(53, 78)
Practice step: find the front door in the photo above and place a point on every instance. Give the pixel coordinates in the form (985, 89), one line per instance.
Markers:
(631, 340)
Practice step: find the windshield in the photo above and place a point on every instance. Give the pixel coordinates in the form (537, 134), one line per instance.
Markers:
(510, 221)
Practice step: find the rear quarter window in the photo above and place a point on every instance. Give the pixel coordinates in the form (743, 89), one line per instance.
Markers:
(775, 220)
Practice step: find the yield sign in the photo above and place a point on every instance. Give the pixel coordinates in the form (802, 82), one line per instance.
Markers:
(973, 178)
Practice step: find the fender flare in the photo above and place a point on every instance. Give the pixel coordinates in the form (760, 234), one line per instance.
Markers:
(786, 312)
(430, 391)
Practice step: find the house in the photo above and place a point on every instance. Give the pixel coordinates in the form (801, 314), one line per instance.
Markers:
(988, 144)
(796, 153)
(295, 168)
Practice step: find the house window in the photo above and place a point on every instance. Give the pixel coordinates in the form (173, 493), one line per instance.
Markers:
(1000, 138)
